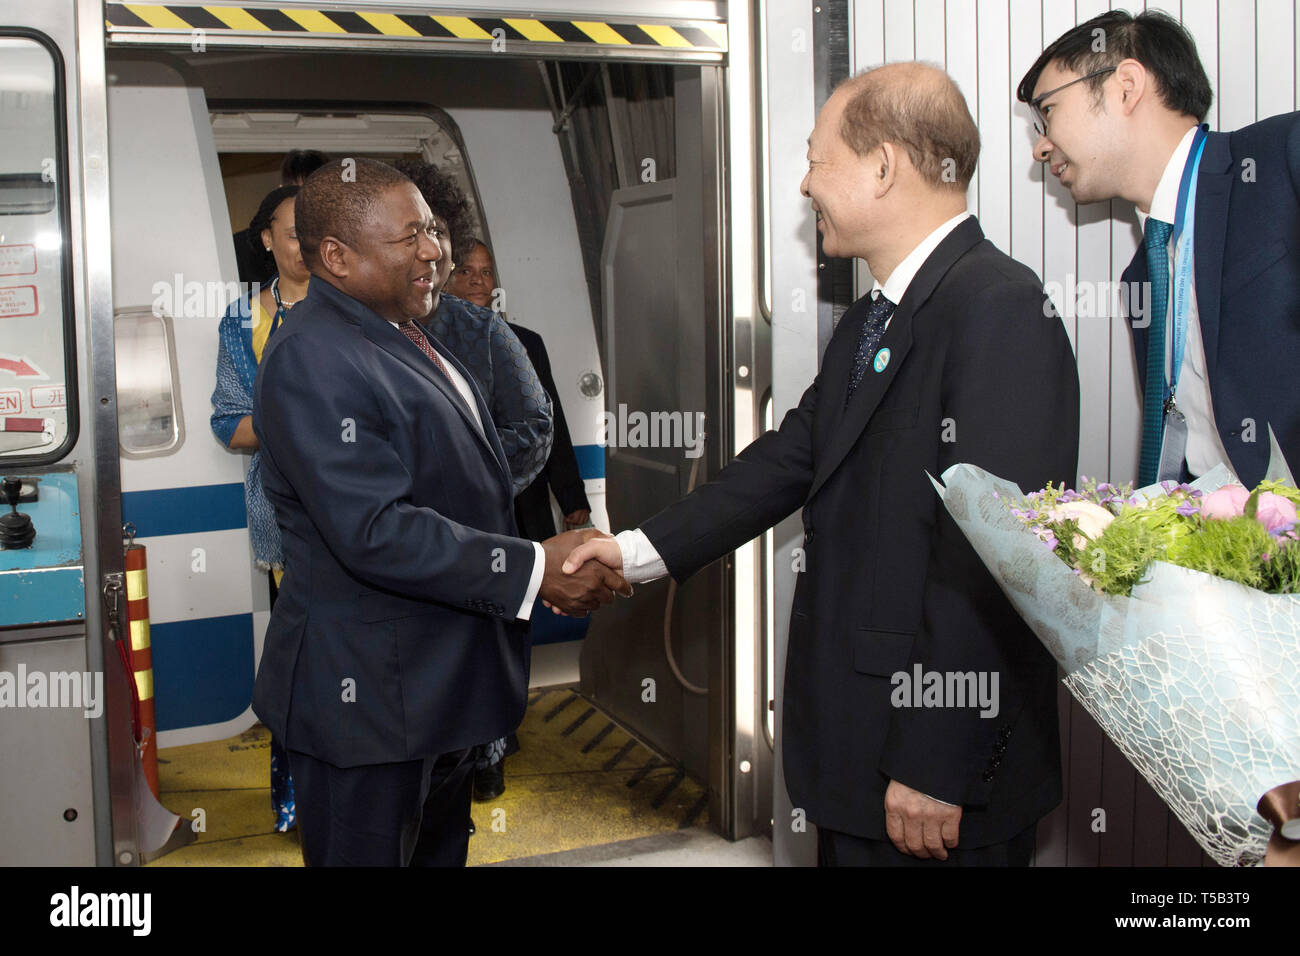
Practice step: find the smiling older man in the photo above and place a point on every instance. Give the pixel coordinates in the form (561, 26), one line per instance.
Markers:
(952, 357)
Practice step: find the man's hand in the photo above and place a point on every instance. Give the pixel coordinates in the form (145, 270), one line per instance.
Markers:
(576, 519)
(599, 547)
(585, 588)
(919, 825)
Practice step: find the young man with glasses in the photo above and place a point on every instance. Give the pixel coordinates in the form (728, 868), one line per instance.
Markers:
(1117, 104)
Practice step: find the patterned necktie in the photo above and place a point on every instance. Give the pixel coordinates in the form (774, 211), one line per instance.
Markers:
(1153, 393)
(412, 332)
(873, 327)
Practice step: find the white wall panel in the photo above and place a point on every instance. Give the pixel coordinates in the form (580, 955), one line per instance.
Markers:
(900, 30)
(1275, 53)
(1025, 175)
(931, 43)
(1201, 18)
(1237, 65)
(868, 34)
(963, 66)
(995, 94)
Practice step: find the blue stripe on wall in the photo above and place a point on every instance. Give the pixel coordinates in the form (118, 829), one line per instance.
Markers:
(185, 510)
(591, 460)
(202, 670)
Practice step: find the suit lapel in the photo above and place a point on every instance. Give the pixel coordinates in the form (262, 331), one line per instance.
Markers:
(849, 422)
(404, 350)
(1134, 278)
(1213, 188)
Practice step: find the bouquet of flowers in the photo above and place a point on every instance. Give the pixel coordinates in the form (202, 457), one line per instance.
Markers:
(1175, 614)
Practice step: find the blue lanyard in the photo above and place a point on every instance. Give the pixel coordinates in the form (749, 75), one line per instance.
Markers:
(1184, 231)
(279, 308)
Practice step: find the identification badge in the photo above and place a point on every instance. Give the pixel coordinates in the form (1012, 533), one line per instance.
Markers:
(1173, 449)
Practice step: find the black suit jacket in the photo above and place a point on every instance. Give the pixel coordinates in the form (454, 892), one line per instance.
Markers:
(1246, 251)
(394, 635)
(888, 580)
(560, 474)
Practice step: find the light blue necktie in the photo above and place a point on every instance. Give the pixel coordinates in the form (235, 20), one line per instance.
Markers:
(1153, 393)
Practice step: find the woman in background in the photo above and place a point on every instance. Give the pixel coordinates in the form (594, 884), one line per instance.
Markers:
(244, 331)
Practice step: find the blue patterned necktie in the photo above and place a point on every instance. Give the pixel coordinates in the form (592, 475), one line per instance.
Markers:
(1153, 393)
(873, 327)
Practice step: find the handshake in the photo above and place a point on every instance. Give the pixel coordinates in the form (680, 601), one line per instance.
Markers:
(584, 569)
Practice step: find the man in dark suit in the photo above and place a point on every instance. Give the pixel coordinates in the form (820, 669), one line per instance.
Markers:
(956, 356)
(399, 639)
(1117, 102)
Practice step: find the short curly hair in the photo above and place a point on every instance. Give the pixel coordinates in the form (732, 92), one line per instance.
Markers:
(445, 200)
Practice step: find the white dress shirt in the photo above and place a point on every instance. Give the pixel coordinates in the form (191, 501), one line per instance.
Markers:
(1204, 447)
(467, 393)
(641, 562)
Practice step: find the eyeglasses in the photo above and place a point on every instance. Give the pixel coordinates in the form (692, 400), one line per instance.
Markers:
(1036, 104)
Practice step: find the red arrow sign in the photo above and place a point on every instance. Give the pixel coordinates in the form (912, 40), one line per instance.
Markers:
(19, 367)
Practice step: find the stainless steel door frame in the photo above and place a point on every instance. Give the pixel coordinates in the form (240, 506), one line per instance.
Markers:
(113, 746)
(732, 98)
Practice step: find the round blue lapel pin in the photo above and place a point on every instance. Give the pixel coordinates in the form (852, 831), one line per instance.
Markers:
(882, 360)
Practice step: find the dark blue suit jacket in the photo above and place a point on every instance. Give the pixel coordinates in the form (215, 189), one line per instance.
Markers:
(1247, 256)
(394, 636)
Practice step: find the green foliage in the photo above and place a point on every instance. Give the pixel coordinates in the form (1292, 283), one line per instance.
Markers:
(1231, 549)
(1120, 557)
(1282, 570)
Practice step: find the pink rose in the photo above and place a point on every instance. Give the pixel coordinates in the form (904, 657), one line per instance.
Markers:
(1275, 513)
(1228, 502)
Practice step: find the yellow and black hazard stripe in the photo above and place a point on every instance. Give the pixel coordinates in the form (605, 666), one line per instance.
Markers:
(249, 21)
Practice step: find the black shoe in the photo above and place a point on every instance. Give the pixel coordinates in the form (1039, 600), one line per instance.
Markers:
(472, 830)
(490, 782)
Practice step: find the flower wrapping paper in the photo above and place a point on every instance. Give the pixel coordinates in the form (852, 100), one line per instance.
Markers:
(1195, 678)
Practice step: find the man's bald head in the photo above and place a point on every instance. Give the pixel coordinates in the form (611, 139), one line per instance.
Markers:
(338, 200)
(919, 108)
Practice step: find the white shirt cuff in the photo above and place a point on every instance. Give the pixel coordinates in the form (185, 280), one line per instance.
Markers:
(534, 583)
(641, 562)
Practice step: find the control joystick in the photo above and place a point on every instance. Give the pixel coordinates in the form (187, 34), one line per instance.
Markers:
(16, 530)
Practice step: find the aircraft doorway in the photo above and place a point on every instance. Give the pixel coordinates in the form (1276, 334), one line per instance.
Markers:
(630, 308)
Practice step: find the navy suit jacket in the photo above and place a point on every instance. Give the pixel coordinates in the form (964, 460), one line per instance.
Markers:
(394, 635)
(980, 370)
(1247, 261)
